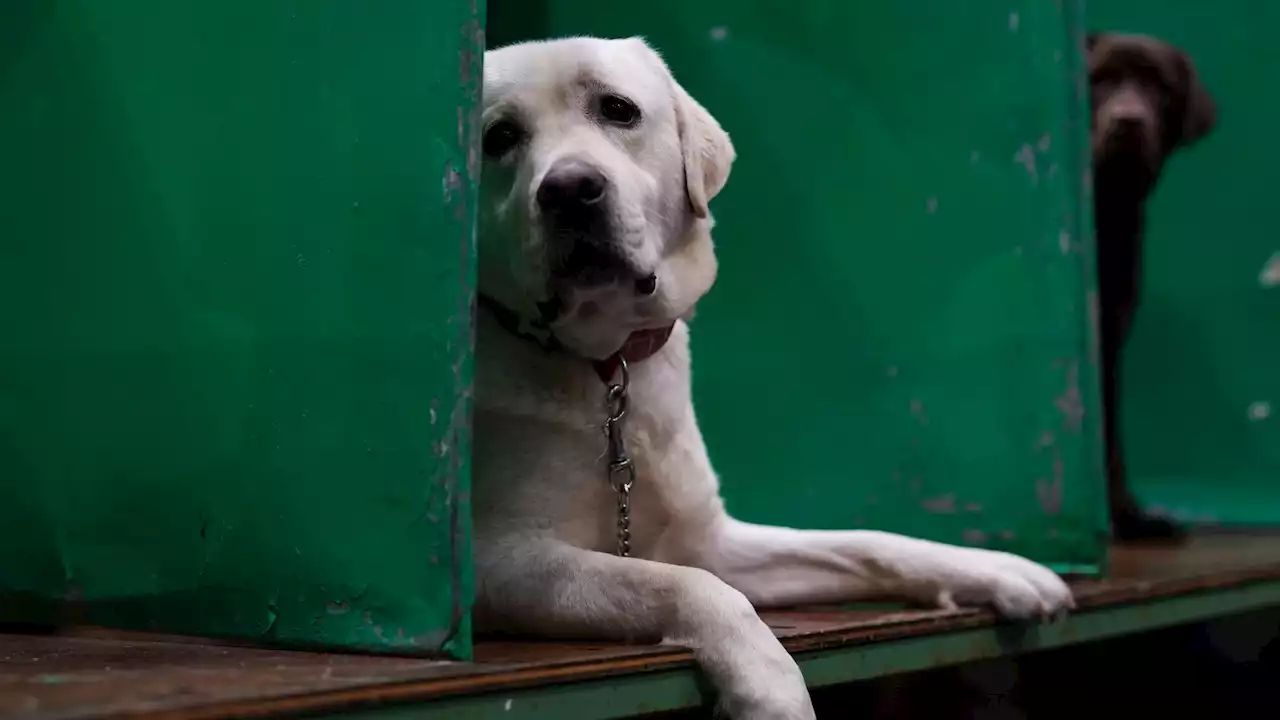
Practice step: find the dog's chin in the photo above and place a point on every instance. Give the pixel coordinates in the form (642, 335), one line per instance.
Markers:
(595, 341)
(591, 328)
(1128, 166)
(594, 320)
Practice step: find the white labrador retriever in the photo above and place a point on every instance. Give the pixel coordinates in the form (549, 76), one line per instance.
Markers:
(594, 247)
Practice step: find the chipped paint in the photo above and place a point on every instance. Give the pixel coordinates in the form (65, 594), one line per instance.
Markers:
(719, 33)
(1026, 157)
(456, 443)
(917, 411)
(1049, 491)
(1259, 410)
(931, 205)
(1069, 403)
(434, 639)
(943, 504)
(1270, 275)
(1014, 21)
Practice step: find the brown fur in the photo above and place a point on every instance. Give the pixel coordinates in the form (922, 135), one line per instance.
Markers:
(1147, 102)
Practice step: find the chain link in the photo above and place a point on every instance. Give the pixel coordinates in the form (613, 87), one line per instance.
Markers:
(621, 472)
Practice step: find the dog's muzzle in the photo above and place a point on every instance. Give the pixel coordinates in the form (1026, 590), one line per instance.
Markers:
(1126, 133)
(574, 201)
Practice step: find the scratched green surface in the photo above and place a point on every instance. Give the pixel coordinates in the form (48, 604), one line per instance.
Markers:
(235, 275)
(899, 337)
(1202, 404)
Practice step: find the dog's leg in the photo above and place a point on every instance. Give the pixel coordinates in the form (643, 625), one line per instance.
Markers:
(775, 566)
(1129, 521)
(553, 589)
(1118, 282)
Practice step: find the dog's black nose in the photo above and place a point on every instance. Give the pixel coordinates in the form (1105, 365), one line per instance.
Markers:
(571, 185)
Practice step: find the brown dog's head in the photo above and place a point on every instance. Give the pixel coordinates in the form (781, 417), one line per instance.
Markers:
(1147, 102)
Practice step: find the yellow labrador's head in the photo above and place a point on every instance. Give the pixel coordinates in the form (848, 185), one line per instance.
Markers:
(598, 168)
(1147, 102)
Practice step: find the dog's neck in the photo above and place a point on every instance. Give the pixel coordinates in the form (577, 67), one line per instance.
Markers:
(638, 347)
(1120, 192)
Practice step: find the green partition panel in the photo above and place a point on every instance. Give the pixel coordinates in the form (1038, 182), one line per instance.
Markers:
(1201, 412)
(236, 271)
(900, 336)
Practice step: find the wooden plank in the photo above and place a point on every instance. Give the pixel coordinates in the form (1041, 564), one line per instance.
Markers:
(92, 674)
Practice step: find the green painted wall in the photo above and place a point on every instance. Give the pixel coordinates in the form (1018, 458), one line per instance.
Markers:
(899, 337)
(235, 287)
(1202, 405)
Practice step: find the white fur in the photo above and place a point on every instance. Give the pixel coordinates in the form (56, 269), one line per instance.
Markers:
(544, 512)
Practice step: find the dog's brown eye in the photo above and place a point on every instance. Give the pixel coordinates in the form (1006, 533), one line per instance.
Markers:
(619, 110)
(500, 137)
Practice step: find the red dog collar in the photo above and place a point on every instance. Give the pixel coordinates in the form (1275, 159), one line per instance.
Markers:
(638, 347)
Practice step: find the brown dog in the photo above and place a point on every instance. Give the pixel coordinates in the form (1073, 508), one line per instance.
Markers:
(1147, 103)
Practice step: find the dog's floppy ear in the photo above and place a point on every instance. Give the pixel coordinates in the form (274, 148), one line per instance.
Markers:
(704, 145)
(708, 154)
(1200, 113)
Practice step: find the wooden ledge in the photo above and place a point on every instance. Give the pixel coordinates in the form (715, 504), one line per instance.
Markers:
(115, 674)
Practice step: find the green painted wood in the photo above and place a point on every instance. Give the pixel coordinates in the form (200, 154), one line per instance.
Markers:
(899, 335)
(1201, 413)
(235, 286)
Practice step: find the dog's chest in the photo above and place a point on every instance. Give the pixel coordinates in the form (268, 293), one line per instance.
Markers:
(531, 473)
(542, 456)
(594, 502)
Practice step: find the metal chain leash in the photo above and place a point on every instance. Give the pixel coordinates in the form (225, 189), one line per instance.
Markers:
(621, 472)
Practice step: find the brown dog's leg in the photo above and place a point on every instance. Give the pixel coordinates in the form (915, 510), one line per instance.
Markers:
(1129, 522)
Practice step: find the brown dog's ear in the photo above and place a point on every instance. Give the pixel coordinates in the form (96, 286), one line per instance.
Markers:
(1200, 113)
(708, 153)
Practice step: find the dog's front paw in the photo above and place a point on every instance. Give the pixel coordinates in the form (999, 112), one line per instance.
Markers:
(1015, 586)
(1132, 524)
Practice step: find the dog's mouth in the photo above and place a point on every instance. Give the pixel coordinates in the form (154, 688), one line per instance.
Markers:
(584, 293)
(587, 263)
(1125, 139)
(1124, 142)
